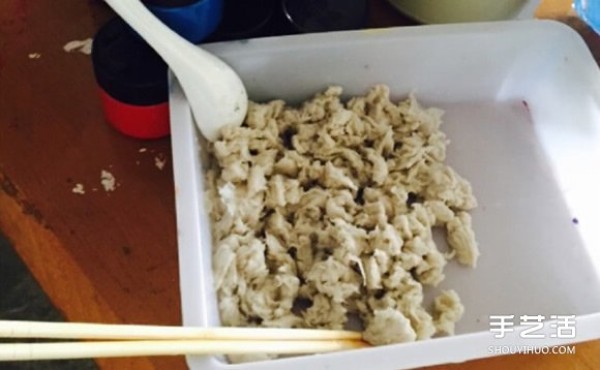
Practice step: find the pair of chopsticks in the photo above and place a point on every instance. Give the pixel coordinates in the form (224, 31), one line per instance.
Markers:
(108, 340)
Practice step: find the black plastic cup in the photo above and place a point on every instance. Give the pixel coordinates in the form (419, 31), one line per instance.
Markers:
(308, 16)
(244, 19)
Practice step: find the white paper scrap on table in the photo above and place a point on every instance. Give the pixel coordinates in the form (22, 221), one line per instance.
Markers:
(107, 180)
(160, 162)
(82, 46)
(78, 189)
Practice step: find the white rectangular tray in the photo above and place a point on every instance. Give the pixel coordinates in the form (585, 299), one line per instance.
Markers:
(522, 103)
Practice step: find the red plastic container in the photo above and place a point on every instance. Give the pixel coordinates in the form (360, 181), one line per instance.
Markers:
(133, 82)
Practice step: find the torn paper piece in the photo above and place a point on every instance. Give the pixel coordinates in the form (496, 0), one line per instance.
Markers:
(82, 46)
(160, 162)
(107, 180)
(78, 189)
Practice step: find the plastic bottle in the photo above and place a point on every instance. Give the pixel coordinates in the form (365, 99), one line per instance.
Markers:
(132, 82)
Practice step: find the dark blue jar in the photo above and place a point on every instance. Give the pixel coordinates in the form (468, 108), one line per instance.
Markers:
(307, 16)
(192, 19)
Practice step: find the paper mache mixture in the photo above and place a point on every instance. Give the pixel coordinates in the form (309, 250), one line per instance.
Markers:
(327, 209)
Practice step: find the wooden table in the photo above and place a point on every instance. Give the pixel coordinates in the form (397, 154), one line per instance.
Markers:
(112, 256)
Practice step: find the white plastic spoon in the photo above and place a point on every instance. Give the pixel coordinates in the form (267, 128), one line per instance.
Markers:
(215, 92)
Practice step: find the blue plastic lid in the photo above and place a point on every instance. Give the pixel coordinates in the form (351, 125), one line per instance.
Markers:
(192, 19)
(170, 3)
(589, 11)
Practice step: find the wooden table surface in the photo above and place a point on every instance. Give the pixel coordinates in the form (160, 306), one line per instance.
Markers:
(112, 257)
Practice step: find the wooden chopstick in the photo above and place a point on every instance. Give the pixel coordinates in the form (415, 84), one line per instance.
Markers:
(77, 350)
(34, 329)
(152, 340)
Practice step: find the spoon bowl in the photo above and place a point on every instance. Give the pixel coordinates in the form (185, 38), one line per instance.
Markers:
(216, 94)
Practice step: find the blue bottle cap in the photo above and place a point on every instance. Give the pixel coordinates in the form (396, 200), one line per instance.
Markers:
(192, 19)
(170, 3)
(589, 11)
